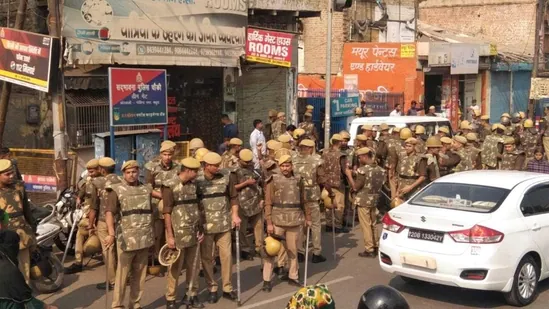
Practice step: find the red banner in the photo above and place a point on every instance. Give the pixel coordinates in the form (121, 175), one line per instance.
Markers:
(270, 47)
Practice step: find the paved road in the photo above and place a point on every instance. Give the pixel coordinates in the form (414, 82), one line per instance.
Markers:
(347, 278)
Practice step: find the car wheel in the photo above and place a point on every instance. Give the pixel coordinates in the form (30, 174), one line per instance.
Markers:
(411, 281)
(525, 283)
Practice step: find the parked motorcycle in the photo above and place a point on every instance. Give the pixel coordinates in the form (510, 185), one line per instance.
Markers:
(46, 269)
(66, 214)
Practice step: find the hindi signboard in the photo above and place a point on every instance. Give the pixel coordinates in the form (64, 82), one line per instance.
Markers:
(539, 88)
(27, 58)
(464, 58)
(40, 184)
(343, 106)
(270, 47)
(138, 96)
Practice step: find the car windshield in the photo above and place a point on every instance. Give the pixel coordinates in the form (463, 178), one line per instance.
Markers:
(461, 197)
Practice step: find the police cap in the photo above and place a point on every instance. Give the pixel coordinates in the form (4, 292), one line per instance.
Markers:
(284, 159)
(236, 141)
(274, 145)
(5, 165)
(93, 163)
(361, 137)
(191, 163)
(446, 140)
(307, 143)
(212, 158)
(246, 155)
(363, 151)
(460, 139)
(285, 138)
(129, 164)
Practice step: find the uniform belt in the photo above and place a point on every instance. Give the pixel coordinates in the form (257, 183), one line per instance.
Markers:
(16, 214)
(408, 177)
(186, 202)
(279, 205)
(214, 195)
(136, 212)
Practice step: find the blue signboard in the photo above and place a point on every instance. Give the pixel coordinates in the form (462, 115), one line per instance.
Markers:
(343, 106)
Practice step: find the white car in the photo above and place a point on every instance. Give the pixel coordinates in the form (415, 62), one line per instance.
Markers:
(483, 230)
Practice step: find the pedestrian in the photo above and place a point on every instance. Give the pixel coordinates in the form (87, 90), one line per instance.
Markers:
(130, 202)
(432, 111)
(184, 232)
(411, 170)
(219, 199)
(5, 153)
(312, 297)
(310, 168)
(84, 201)
(413, 109)
(396, 111)
(433, 145)
(156, 173)
(258, 143)
(539, 164)
(98, 216)
(512, 159)
(279, 126)
(250, 199)
(370, 179)
(230, 157)
(309, 127)
(230, 130)
(285, 214)
(14, 201)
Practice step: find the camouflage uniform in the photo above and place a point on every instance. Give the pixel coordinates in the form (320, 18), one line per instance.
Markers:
(310, 130)
(544, 124)
(14, 201)
(420, 146)
(278, 128)
(433, 170)
(491, 151)
(216, 196)
(249, 199)
(513, 161)
(529, 139)
(181, 202)
(334, 179)
(286, 210)
(310, 168)
(409, 169)
(132, 207)
(474, 153)
(228, 160)
(466, 162)
(370, 180)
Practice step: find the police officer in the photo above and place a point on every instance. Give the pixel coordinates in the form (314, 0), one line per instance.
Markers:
(230, 157)
(184, 231)
(411, 170)
(85, 199)
(458, 147)
(309, 127)
(433, 145)
(219, 199)
(529, 139)
(505, 120)
(447, 159)
(443, 131)
(268, 164)
(268, 131)
(250, 199)
(492, 147)
(512, 159)
(484, 127)
(421, 137)
(130, 202)
(156, 174)
(279, 126)
(395, 149)
(310, 168)
(369, 180)
(360, 141)
(97, 218)
(473, 151)
(285, 214)
(194, 145)
(14, 201)
(544, 127)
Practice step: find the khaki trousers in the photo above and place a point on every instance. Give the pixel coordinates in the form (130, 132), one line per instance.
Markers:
(159, 236)
(223, 243)
(546, 146)
(24, 263)
(292, 236)
(186, 258)
(136, 263)
(316, 231)
(339, 204)
(102, 232)
(367, 217)
(257, 224)
(81, 236)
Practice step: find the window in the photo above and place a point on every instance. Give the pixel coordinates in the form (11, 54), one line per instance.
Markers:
(464, 197)
(535, 201)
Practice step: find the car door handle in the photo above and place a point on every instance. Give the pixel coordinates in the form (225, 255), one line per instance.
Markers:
(536, 227)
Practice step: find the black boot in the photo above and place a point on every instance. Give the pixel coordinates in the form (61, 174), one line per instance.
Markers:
(194, 302)
(73, 269)
(300, 257)
(103, 286)
(170, 304)
(267, 286)
(185, 300)
(283, 274)
(232, 295)
(247, 256)
(318, 259)
(367, 254)
(341, 230)
(213, 298)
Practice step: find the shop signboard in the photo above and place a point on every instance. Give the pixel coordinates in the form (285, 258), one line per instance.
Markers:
(464, 58)
(138, 96)
(161, 32)
(539, 88)
(40, 184)
(271, 47)
(344, 106)
(28, 58)
(439, 54)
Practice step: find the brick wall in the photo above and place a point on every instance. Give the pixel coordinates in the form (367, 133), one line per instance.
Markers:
(508, 22)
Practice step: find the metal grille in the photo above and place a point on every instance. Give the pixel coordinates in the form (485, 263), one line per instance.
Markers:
(181, 150)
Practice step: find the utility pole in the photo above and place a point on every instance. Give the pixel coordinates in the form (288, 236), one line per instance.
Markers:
(328, 78)
(57, 102)
(6, 88)
(540, 10)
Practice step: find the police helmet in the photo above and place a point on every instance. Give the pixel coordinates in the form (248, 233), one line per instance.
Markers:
(382, 297)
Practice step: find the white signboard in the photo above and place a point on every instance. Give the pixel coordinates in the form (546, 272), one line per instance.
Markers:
(161, 32)
(439, 54)
(464, 58)
(539, 88)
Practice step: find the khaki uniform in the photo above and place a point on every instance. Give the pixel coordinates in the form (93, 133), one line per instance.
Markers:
(310, 168)
(87, 196)
(334, 165)
(286, 211)
(278, 128)
(370, 180)
(217, 196)
(13, 200)
(465, 163)
(132, 207)
(420, 146)
(100, 206)
(492, 148)
(448, 161)
(250, 211)
(310, 130)
(433, 170)
(228, 160)
(545, 125)
(409, 169)
(156, 175)
(181, 202)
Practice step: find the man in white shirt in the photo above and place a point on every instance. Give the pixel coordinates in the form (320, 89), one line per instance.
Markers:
(257, 140)
(396, 111)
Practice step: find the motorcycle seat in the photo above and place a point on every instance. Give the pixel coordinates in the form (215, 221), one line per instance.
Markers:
(39, 213)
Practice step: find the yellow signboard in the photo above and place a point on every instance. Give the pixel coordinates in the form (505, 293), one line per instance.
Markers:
(407, 51)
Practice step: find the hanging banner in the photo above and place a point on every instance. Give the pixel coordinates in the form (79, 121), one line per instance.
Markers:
(138, 97)
(160, 32)
(27, 58)
(271, 47)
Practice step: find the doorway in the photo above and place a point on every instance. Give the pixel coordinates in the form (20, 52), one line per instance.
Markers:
(433, 92)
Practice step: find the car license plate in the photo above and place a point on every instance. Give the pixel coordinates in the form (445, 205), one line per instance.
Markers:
(426, 235)
(418, 261)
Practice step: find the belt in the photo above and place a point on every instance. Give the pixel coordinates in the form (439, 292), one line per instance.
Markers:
(213, 195)
(407, 177)
(16, 214)
(279, 205)
(136, 212)
(186, 202)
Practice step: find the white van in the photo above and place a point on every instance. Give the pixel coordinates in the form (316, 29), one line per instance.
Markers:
(431, 124)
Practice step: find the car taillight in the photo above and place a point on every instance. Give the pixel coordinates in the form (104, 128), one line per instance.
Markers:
(391, 225)
(478, 234)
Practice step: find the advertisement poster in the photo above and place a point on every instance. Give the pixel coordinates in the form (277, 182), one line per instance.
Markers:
(28, 58)
(343, 106)
(138, 96)
(190, 32)
(270, 47)
(41, 184)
